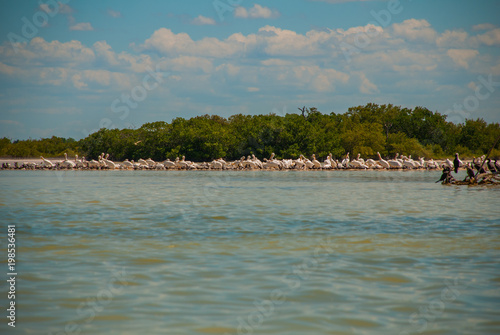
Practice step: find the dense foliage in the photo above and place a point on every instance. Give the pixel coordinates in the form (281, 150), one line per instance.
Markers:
(50, 147)
(364, 129)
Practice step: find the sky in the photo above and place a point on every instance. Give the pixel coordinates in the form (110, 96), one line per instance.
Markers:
(70, 67)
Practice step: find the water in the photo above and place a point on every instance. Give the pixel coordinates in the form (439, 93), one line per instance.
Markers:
(191, 252)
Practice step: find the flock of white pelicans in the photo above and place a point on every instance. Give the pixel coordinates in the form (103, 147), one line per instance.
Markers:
(248, 163)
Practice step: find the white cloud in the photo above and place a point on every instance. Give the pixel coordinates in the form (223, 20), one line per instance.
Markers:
(166, 42)
(203, 20)
(38, 51)
(483, 26)
(415, 30)
(229, 69)
(6, 69)
(272, 40)
(135, 63)
(55, 76)
(256, 12)
(462, 57)
(103, 50)
(114, 14)
(82, 26)
(320, 79)
(272, 61)
(366, 86)
(77, 81)
(65, 9)
(276, 62)
(99, 79)
(452, 38)
(189, 63)
(11, 123)
(279, 41)
(490, 38)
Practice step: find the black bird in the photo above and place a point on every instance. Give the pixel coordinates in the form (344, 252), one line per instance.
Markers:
(474, 164)
(456, 163)
(491, 166)
(477, 166)
(446, 175)
(470, 173)
(497, 165)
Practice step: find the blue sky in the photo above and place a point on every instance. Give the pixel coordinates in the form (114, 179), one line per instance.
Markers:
(70, 67)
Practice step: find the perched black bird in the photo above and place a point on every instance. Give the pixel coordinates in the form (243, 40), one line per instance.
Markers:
(491, 166)
(474, 164)
(446, 175)
(477, 166)
(456, 162)
(470, 173)
(497, 165)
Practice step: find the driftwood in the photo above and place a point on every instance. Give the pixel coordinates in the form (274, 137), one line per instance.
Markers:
(487, 178)
(487, 155)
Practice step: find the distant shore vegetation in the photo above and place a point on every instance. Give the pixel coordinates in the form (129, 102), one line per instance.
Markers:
(365, 129)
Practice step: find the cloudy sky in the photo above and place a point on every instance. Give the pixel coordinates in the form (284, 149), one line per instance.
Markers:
(68, 68)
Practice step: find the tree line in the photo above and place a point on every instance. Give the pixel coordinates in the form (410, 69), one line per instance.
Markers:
(365, 129)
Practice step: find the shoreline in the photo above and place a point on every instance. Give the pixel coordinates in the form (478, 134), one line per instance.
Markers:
(36, 164)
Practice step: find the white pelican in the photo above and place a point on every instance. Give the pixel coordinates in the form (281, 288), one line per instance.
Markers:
(272, 164)
(299, 163)
(102, 163)
(383, 162)
(327, 164)
(308, 162)
(431, 164)
(418, 164)
(257, 161)
(242, 163)
(81, 163)
(315, 162)
(372, 164)
(359, 159)
(357, 164)
(46, 162)
(136, 165)
(67, 163)
(287, 163)
(142, 162)
(345, 161)
(408, 163)
(93, 164)
(447, 163)
(216, 165)
(159, 166)
(250, 163)
(181, 164)
(169, 164)
(127, 164)
(332, 161)
(108, 163)
(395, 163)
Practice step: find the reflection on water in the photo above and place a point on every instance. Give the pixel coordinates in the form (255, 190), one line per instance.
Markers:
(338, 252)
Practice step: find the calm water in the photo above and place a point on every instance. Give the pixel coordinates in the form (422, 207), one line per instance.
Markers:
(338, 252)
